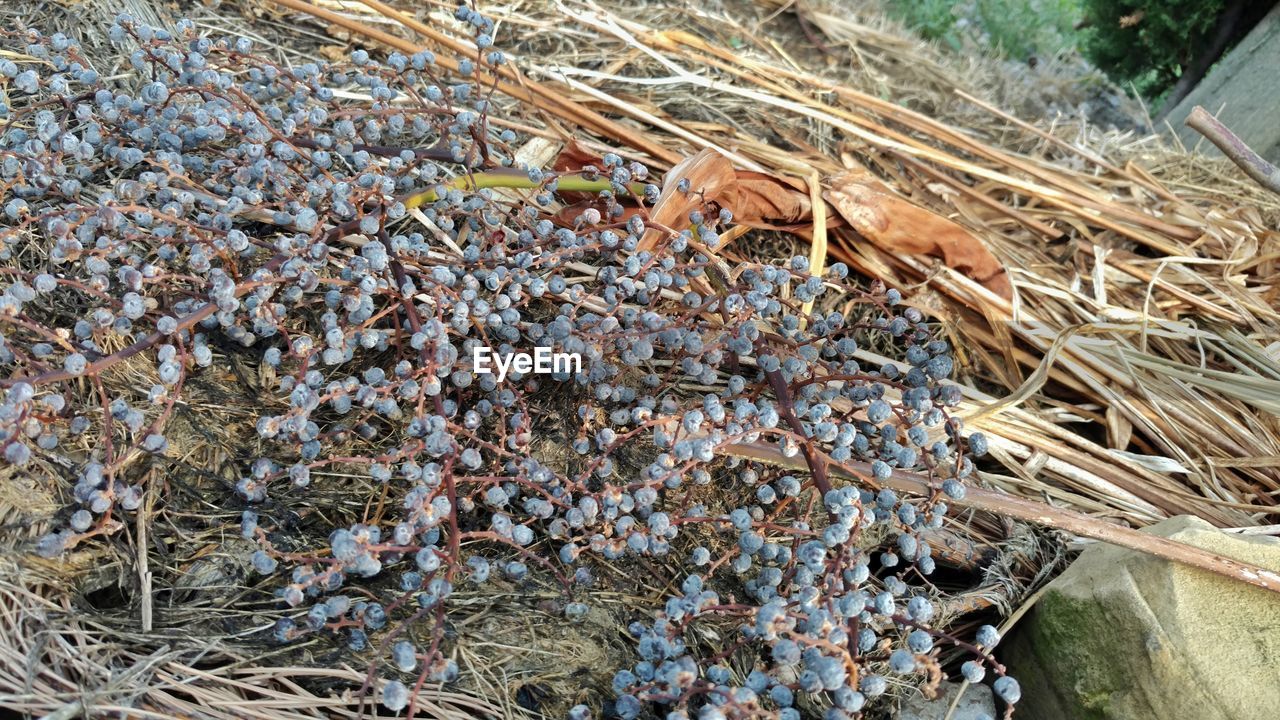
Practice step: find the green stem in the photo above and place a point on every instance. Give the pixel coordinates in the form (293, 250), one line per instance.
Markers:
(516, 181)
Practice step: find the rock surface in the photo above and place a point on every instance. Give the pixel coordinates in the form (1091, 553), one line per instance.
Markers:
(1126, 636)
(1240, 91)
(977, 703)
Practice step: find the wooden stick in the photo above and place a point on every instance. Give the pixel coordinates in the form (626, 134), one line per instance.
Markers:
(1037, 513)
(1245, 158)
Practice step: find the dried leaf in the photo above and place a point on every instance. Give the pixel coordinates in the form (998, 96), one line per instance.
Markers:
(1154, 463)
(1119, 429)
(573, 157)
(898, 226)
(765, 201)
(334, 53)
(711, 179)
(774, 202)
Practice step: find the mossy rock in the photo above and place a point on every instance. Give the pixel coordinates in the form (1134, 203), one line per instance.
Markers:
(1122, 635)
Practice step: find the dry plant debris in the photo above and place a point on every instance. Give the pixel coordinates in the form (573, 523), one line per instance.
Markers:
(1122, 367)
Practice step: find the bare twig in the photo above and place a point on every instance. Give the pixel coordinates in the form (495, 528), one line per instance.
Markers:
(1263, 172)
(1037, 513)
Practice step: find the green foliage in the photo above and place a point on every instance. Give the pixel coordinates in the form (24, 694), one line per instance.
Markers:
(1148, 42)
(1023, 28)
(1016, 28)
(933, 19)
(1144, 42)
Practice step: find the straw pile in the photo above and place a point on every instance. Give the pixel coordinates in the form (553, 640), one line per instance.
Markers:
(1128, 368)
(1113, 299)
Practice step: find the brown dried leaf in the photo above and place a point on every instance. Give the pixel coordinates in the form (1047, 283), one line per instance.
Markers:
(573, 157)
(334, 53)
(766, 201)
(711, 179)
(763, 200)
(779, 203)
(899, 226)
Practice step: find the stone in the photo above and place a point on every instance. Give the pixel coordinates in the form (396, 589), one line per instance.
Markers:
(976, 703)
(1123, 635)
(1241, 90)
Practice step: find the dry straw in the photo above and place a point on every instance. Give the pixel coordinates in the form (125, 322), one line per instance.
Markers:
(1129, 375)
(1132, 371)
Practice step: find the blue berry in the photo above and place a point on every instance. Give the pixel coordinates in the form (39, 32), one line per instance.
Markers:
(988, 636)
(404, 656)
(81, 520)
(263, 210)
(395, 696)
(902, 662)
(263, 563)
(1007, 689)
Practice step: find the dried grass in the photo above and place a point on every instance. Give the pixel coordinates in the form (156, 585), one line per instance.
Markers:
(1133, 375)
(1143, 280)
(60, 664)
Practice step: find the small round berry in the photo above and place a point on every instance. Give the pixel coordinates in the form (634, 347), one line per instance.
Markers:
(395, 696)
(81, 520)
(988, 637)
(75, 364)
(902, 662)
(264, 563)
(1007, 689)
(973, 671)
(404, 656)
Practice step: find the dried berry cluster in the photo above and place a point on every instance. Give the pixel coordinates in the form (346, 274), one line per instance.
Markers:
(363, 228)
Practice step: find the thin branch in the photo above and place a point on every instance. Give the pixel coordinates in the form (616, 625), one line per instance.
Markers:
(1253, 165)
(1035, 512)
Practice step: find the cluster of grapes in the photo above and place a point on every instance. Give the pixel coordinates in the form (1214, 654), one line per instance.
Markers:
(349, 222)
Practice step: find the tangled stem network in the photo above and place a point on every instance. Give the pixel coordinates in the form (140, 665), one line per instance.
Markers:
(362, 227)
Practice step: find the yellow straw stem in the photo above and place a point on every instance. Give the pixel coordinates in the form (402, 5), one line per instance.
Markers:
(818, 247)
(514, 181)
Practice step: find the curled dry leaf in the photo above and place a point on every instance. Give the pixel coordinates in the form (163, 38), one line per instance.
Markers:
(573, 157)
(857, 198)
(711, 179)
(898, 226)
(775, 203)
(762, 201)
